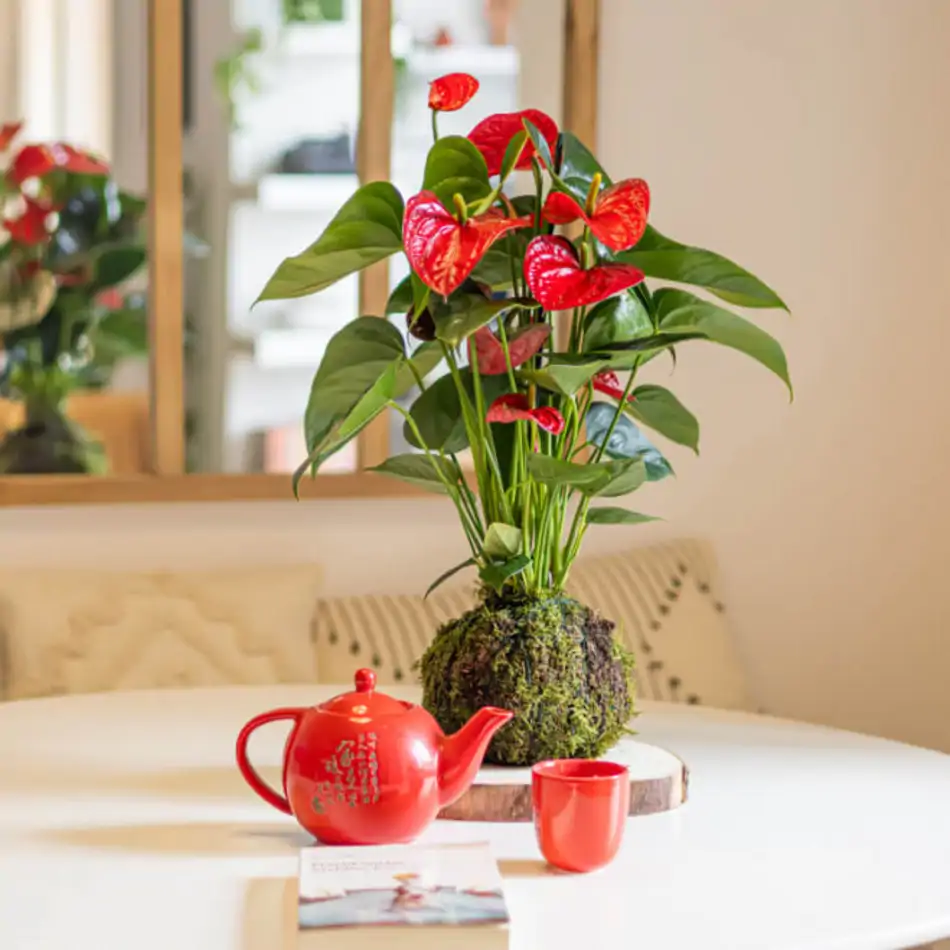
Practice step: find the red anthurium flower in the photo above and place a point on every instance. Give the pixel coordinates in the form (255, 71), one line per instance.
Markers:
(522, 345)
(35, 161)
(442, 250)
(617, 215)
(558, 281)
(451, 92)
(608, 384)
(492, 135)
(515, 406)
(8, 132)
(30, 227)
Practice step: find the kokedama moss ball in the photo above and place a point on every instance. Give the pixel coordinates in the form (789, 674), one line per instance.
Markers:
(552, 661)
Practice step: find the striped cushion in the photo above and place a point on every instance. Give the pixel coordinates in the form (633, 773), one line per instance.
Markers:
(663, 599)
(385, 632)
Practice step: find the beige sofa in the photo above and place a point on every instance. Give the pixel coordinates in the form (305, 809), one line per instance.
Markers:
(74, 631)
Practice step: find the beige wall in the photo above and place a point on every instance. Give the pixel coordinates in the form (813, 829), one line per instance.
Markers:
(808, 140)
(811, 141)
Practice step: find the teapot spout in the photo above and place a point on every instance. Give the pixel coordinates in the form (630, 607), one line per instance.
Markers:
(462, 752)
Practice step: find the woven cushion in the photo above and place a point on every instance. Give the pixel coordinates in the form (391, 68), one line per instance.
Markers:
(664, 600)
(387, 633)
(69, 631)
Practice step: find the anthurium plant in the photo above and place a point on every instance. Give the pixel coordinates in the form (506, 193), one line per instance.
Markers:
(539, 307)
(70, 239)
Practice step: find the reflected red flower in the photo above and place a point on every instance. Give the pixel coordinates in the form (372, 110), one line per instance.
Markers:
(36, 161)
(29, 227)
(492, 135)
(451, 92)
(515, 407)
(442, 250)
(558, 282)
(617, 216)
(522, 345)
(609, 384)
(8, 132)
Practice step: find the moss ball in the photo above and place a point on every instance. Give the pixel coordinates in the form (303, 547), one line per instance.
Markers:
(552, 661)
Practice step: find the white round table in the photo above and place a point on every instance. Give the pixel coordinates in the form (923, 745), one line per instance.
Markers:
(124, 824)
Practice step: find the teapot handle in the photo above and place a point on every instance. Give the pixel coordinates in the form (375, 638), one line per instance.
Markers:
(250, 774)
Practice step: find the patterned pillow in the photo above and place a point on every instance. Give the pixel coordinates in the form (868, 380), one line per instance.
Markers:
(76, 631)
(663, 599)
(387, 633)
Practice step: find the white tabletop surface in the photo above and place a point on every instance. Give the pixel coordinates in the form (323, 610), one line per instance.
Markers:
(124, 824)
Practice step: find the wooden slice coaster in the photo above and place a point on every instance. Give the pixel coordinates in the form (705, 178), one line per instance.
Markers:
(658, 782)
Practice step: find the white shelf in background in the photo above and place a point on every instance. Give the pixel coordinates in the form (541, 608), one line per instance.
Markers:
(431, 62)
(336, 39)
(291, 346)
(305, 192)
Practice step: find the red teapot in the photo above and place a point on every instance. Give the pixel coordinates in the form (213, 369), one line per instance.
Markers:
(365, 768)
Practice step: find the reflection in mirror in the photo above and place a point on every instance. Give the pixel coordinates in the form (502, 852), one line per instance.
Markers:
(73, 255)
(272, 117)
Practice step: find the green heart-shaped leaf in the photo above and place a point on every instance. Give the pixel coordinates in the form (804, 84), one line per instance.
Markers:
(495, 575)
(437, 413)
(367, 229)
(578, 167)
(678, 310)
(659, 256)
(563, 378)
(618, 319)
(463, 314)
(366, 409)
(455, 166)
(590, 478)
(419, 469)
(626, 442)
(540, 143)
(502, 540)
(659, 409)
(617, 516)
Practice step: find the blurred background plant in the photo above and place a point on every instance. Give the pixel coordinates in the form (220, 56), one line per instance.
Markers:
(73, 244)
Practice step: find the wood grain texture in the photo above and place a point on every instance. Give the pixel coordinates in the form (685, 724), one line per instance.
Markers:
(94, 490)
(659, 781)
(168, 483)
(373, 161)
(580, 100)
(165, 222)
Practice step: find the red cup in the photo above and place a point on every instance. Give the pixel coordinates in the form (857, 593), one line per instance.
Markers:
(580, 811)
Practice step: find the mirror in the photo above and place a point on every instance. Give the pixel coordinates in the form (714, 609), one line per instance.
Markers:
(74, 260)
(289, 105)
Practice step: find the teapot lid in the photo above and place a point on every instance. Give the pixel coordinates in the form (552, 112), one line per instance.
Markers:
(364, 702)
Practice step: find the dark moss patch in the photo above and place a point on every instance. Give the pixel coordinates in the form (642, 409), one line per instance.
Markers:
(552, 661)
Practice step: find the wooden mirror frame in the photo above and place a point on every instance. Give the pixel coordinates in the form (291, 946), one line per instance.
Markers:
(168, 481)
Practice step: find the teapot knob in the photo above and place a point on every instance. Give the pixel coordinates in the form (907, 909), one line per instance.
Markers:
(365, 681)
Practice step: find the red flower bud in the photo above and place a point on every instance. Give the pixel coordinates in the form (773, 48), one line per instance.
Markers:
(451, 92)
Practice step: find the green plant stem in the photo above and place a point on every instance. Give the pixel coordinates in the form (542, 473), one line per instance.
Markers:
(435, 125)
(509, 244)
(503, 508)
(598, 455)
(579, 523)
(452, 490)
(538, 191)
(416, 375)
(473, 431)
